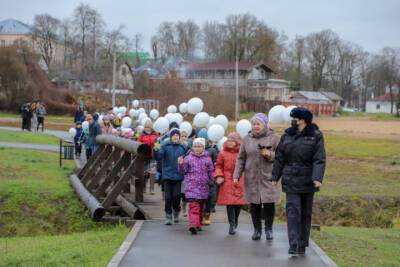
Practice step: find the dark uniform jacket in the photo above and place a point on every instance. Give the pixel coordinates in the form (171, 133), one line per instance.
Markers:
(300, 160)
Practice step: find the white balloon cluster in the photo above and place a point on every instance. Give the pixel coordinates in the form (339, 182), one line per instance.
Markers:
(280, 114)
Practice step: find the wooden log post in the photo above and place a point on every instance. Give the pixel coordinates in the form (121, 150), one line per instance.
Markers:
(96, 210)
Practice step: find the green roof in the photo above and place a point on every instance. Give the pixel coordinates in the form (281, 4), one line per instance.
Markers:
(131, 58)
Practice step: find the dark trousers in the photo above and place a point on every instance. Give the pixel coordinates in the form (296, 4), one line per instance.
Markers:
(40, 122)
(88, 153)
(26, 124)
(267, 214)
(233, 212)
(298, 216)
(172, 192)
(212, 199)
(78, 149)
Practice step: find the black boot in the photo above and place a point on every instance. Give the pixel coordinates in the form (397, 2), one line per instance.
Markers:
(232, 229)
(293, 251)
(231, 218)
(269, 235)
(237, 213)
(256, 218)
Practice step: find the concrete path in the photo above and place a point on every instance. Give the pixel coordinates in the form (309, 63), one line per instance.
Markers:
(60, 134)
(160, 245)
(51, 148)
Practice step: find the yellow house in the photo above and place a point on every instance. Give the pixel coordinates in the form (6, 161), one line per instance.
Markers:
(14, 32)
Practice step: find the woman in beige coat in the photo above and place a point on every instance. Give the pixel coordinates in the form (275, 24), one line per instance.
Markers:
(255, 159)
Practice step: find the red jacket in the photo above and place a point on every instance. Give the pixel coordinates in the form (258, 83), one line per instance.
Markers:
(229, 193)
(149, 139)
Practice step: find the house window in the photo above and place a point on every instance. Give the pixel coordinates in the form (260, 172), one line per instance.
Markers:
(2, 43)
(123, 71)
(378, 106)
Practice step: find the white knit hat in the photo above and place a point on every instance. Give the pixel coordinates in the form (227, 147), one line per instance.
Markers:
(201, 141)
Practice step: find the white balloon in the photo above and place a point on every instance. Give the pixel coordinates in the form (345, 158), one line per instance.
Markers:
(187, 127)
(177, 117)
(243, 127)
(161, 125)
(172, 109)
(101, 122)
(135, 103)
(72, 132)
(183, 108)
(216, 132)
(141, 116)
(85, 125)
(201, 119)
(115, 110)
(131, 112)
(141, 110)
(221, 143)
(276, 114)
(211, 121)
(222, 120)
(119, 115)
(124, 130)
(154, 114)
(126, 122)
(122, 110)
(286, 115)
(195, 105)
(169, 117)
(144, 120)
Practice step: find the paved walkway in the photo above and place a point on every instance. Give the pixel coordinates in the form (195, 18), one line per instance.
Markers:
(60, 134)
(160, 245)
(51, 148)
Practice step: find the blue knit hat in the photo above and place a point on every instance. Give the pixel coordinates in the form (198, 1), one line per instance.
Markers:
(175, 131)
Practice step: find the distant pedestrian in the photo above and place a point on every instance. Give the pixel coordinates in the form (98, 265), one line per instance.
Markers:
(40, 112)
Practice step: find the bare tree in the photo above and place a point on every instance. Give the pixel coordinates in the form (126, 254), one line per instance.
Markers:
(214, 36)
(188, 38)
(45, 30)
(319, 50)
(82, 21)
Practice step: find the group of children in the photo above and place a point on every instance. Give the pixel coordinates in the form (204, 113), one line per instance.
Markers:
(188, 166)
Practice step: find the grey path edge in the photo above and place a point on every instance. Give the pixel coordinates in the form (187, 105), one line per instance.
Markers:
(324, 257)
(126, 245)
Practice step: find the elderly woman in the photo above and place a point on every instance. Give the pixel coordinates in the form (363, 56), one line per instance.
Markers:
(300, 161)
(255, 159)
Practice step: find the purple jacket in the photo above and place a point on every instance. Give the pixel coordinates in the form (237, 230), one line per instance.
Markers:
(198, 171)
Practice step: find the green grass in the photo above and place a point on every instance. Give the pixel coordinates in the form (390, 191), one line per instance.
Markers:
(35, 195)
(91, 248)
(361, 148)
(349, 246)
(360, 178)
(42, 222)
(48, 118)
(28, 138)
(371, 116)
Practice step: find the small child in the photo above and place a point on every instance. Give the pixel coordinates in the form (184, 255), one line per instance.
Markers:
(169, 154)
(78, 139)
(198, 170)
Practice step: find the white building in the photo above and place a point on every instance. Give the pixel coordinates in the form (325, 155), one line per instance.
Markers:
(381, 104)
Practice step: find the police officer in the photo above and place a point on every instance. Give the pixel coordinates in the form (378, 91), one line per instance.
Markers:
(300, 161)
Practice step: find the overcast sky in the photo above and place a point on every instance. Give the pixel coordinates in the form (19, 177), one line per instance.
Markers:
(373, 24)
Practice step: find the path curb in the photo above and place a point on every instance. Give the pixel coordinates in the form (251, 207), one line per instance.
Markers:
(324, 257)
(126, 245)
